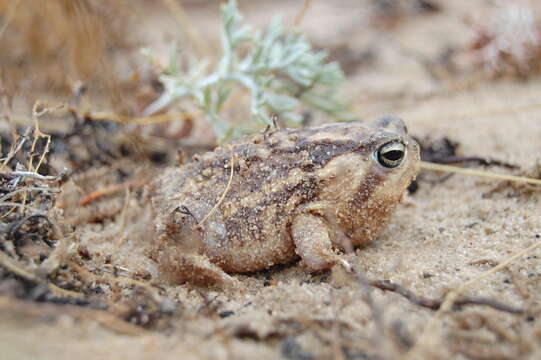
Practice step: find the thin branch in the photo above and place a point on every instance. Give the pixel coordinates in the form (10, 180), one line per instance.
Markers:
(435, 304)
(145, 120)
(110, 190)
(30, 188)
(12, 266)
(477, 160)
(472, 172)
(15, 227)
(232, 165)
(89, 277)
(452, 298)
(17, 146)
(30, 174)
(39, 109)
(18, 205)
(110, 321)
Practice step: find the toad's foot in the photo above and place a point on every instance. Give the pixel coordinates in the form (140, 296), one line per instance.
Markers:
(197, 269)
(313, 244)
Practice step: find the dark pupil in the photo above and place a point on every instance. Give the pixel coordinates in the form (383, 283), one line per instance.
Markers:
(393, 155)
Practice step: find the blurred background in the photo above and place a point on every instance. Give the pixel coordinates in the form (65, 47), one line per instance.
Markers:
(88, 54)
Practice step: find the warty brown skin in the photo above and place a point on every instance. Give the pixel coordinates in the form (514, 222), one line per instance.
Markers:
(294, 193)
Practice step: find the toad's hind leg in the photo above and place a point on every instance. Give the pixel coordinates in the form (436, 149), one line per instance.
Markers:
(313, 244)
(196, 269)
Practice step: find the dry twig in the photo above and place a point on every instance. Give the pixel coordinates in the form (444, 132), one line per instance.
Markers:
(31, 174)
(115, 188)
(472, 172)
(107, 320)
(89, 277)
(17, 269)
(426, 338)
(38, 110)
(232, 165)
(435, 304)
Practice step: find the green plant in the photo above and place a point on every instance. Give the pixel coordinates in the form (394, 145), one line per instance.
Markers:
(280, 71)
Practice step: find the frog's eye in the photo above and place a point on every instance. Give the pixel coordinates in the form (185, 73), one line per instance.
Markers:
(391, 154)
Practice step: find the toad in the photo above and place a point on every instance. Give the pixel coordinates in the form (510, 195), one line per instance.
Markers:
(305, 193)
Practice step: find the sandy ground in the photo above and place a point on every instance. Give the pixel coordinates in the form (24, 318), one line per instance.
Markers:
(450, 231)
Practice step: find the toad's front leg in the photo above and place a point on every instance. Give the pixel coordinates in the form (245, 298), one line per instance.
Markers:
(313, 244)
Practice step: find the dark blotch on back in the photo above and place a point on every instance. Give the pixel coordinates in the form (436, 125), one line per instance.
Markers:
(320, 151)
